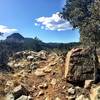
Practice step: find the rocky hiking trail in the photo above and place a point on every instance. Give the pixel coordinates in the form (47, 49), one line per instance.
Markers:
(42, 76)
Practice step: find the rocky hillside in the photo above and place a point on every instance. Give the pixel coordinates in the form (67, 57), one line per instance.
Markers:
(40, 76)
(40, 73)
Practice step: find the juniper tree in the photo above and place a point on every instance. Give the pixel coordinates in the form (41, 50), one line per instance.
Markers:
(84, 15)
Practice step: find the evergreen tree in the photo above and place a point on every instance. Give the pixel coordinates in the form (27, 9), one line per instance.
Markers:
(3, 54)
(84, 15)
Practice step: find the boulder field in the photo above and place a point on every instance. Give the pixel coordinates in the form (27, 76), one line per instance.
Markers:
(48, 76)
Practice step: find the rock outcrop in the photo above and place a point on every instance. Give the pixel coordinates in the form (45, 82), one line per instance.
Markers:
(81, 64)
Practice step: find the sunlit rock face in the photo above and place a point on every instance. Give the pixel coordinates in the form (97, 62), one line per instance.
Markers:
(81, 64)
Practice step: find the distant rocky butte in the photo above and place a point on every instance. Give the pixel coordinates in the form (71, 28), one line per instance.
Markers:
(15, 37)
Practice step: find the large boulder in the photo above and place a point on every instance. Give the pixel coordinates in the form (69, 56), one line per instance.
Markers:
(19, 91)
(81, 64)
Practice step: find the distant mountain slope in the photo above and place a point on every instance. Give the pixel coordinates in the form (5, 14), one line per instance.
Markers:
(15, 37)
(16, 42)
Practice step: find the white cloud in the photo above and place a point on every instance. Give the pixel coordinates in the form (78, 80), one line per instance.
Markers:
(55, 22)
(6, 29)
(36, 24)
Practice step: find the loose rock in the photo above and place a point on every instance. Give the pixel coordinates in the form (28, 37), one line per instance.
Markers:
(71, 91)
(30, 58)
(88, 83)
(39, 73)
(53, 81)
(43, 86)
(47, 70)
(41, 93)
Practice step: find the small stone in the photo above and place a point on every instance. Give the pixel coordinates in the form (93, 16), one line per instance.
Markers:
(77, 88)
(39, 73)
(70, 97)
(30, 58)
(88, 83)
(16, 65)
(34, 87)
(71, 91)
(10, 64)
(47, 70)
(43, 86)
(57, 98)
(41, 93)
(63, 87)
(33, 66)
(22, 73)
(29, 71)
(42, 54)
(53, 81)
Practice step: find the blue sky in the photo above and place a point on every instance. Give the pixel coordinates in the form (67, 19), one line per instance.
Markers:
(36, 18)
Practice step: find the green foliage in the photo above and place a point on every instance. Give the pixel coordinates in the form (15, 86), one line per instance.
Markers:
(84, 15)
(3, 54)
